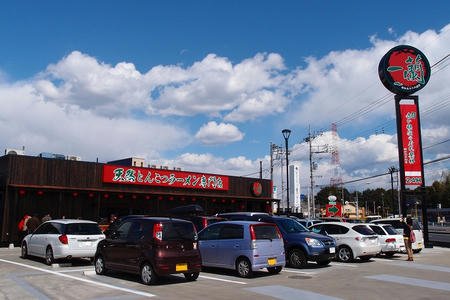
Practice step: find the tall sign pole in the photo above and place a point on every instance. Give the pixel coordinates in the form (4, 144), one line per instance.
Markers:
(405, 70)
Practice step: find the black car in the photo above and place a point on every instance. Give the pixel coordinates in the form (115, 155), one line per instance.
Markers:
(151, 247)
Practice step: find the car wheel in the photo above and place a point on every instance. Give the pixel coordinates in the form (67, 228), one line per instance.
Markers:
(274, 270)
(99, 264)
(148, 276)
(24, 250)
(297, 258)
(365, 258)
(417, 250)
(49, 259)
(244, 268)
(323, 262)
(389, 254)
(345, 254)
(191, 276)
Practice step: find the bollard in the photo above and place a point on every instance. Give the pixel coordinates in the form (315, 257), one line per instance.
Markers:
(11, 246)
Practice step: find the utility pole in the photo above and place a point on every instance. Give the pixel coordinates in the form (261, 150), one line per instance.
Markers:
(391, 171)
(309, 139)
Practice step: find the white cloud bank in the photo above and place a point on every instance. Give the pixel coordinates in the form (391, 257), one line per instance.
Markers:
(86, 107)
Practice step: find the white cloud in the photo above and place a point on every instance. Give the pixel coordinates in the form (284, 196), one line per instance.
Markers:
(218, 134)
(68, 129)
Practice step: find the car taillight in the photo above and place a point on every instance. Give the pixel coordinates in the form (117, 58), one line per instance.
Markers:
(390, 240)
(205, 222)
(357, 238)
(63, 239)
(157, 231)
(252, 233)
(279, 233)
(253, 238)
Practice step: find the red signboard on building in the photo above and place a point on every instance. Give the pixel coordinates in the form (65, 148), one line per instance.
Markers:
(334, 210)
(167, 178)
(411, 145)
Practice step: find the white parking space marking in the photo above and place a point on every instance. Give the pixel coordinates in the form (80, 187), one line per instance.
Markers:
(347, 265)
(81, 279)
(287, 293)
(220, 279)
(74, 271)
(412, 281)
(299, 272)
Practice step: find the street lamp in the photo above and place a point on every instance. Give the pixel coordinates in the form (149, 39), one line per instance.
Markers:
(286, 134)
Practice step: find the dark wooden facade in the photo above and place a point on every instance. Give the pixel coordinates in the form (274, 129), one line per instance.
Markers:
(35, 185)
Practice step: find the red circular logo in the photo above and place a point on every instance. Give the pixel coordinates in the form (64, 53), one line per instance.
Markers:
(404, 70)
(257, 188)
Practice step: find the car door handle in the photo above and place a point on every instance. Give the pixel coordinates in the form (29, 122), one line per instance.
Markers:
(236, 246)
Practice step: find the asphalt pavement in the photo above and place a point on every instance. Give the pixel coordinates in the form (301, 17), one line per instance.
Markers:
(427, 277)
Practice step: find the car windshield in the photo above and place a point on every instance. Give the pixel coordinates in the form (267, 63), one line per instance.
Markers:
(82, 229)
(291, 226)
(174, 231)
(390, 229)
(362, 229)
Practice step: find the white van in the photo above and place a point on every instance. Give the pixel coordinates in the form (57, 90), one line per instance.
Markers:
(397, 224)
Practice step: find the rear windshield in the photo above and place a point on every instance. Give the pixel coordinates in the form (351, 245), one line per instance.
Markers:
(178, 231)
(362, 229)
(266, 232)
(291, 226)
(390, 229)
(82, 229)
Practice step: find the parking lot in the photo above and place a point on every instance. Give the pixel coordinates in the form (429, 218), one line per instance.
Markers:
(427, 277)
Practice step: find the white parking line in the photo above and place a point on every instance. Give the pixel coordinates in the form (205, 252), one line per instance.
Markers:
(220, 279)
(349, 265)
(298, 272)
(81, 279)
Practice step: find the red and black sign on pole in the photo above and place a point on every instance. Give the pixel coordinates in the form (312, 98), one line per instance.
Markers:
(405, 70)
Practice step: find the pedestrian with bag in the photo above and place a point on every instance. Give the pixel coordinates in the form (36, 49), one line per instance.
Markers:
(409, 237)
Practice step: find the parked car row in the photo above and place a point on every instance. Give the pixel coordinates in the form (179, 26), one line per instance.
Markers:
(246, 242)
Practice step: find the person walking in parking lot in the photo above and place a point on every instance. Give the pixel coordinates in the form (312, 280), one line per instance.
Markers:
(407, 228)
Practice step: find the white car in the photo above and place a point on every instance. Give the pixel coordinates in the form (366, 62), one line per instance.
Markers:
(63, 239)
(390, 240)
(353, 239)
(397, 224)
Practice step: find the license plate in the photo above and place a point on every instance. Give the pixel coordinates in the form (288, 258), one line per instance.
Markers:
(419, 245)
(332, 250)
(272, 261)
(86, 244)
(181, 267)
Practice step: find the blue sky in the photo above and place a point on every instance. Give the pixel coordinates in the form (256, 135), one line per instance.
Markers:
(207, 85)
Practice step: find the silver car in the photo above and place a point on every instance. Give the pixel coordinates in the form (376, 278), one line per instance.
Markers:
(245, 246)
(65, 238)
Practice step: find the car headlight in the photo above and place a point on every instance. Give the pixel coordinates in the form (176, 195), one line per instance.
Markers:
(313, 242)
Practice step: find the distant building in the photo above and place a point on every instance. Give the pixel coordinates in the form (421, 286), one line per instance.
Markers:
(294, 188)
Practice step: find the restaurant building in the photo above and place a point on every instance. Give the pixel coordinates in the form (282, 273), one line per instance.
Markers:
(91, 190)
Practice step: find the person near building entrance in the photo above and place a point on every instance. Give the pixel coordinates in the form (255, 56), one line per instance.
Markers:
(407, 229)
(46, 218)
(33, 223)
(23, 230)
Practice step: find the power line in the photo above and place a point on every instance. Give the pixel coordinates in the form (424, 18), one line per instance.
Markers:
(439, 143)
